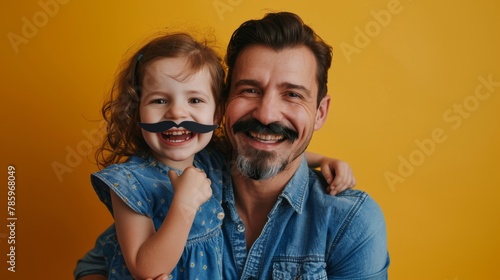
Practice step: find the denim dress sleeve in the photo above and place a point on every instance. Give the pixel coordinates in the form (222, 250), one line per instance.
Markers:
(122, 182)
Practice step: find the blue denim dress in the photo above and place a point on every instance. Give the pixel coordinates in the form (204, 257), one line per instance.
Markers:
(144, 186)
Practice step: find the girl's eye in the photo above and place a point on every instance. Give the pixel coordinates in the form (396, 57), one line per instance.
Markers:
(158, 101)
(195, 100)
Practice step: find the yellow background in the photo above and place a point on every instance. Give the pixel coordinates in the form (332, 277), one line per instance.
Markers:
(405, 115)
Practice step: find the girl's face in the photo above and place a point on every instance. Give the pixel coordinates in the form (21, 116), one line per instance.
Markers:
(168, 93)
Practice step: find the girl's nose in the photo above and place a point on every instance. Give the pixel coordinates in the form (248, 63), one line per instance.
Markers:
(176, 111)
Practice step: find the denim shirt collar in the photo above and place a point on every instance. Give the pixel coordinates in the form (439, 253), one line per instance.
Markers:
(296, 189)
(294, 192)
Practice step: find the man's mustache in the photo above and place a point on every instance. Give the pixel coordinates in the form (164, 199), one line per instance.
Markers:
(189, 125)
(272, 128)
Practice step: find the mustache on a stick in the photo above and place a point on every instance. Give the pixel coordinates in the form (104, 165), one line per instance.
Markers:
(189, 125)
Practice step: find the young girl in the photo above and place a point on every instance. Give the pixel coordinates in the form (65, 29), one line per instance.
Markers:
(166, 196)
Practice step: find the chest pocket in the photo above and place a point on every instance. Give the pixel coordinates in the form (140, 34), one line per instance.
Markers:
(299, 270)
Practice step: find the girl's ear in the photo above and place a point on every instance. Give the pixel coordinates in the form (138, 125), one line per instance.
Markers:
(322, 112)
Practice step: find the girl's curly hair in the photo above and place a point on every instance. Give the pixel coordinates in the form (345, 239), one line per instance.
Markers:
(123, 137)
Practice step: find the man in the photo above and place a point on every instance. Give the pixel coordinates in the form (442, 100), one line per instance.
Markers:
(279, 222)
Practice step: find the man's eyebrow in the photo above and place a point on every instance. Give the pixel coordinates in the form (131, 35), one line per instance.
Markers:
(287, 85)
(284, 85)
(247, 82)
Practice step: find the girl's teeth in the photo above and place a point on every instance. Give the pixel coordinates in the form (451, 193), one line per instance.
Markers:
(176, 132)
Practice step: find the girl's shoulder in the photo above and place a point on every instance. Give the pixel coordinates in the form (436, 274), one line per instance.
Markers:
(138, 181)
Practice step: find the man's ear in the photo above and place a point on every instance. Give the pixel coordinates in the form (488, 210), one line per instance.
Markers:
(322, 112)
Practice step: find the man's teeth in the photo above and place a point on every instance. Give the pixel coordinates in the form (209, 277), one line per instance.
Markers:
(267, 137)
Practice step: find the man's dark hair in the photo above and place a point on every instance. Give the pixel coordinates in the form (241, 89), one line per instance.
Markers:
(279, 31)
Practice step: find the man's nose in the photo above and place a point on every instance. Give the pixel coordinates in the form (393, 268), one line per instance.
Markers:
(268, 109)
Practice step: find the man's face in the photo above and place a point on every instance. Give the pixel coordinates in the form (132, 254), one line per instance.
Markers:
(271, 112)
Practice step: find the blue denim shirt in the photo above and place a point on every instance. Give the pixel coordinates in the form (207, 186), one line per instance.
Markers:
(309, 235)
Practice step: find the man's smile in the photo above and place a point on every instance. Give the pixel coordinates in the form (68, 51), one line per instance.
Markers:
(268, 134)
(266, 138)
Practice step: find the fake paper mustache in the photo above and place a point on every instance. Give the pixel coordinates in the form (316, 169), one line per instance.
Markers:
(272, 128)
(189, 125)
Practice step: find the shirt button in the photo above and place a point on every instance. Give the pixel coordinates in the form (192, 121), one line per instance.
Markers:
(240, 228)
(220, 215)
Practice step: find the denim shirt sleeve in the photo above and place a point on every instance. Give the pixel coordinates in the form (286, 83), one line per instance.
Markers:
(95, 261)
(362, 243)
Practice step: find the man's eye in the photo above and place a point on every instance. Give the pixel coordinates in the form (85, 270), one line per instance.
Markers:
(249, 90)
(294, 95)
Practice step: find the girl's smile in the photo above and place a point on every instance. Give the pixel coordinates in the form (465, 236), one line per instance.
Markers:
(177, 110)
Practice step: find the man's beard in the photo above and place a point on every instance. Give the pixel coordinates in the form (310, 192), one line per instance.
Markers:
(259, 165)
